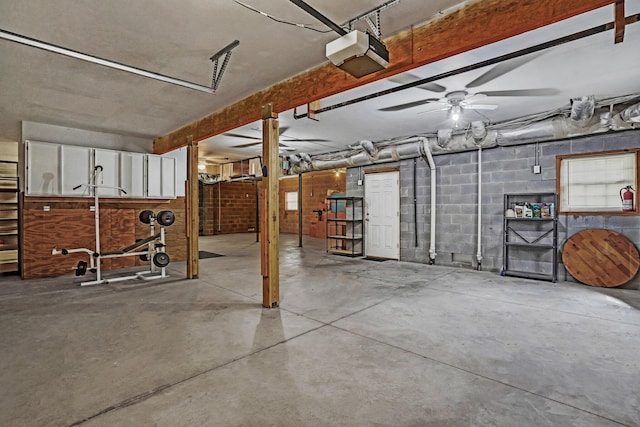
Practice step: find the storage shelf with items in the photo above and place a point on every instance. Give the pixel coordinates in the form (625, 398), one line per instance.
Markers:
(9, 240)
(345, 226)
(530, 233)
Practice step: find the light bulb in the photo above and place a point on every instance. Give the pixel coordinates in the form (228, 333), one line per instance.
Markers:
(455, 113)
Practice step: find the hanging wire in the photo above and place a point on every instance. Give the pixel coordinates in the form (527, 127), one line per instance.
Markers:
(281, 20)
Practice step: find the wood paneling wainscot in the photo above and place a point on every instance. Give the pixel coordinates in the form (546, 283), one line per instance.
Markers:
(69, 223)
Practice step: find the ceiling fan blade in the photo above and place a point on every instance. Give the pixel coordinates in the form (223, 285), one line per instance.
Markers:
(522, 92)
(306, 140)
(481, 106)
(237, 135)
(405, 78)
(502, 68)
(400, 107)
(434, 110)
(251, 144)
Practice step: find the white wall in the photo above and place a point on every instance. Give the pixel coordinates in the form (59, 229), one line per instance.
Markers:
(70, 136)
(9, 150)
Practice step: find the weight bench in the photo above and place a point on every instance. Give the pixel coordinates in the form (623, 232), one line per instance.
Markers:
(134, 246)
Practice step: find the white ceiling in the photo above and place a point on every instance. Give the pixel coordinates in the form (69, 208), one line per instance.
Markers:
(177, 39)
(174, 38)
(591, 66)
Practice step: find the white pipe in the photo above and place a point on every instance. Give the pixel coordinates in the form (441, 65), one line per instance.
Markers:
(96, 173)
(479, 253)
(432, 234)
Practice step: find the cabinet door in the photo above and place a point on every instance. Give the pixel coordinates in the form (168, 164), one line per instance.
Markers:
(109, 176)
(168, 177)
(161, 176)
(132, 174)
(43, 168)
(154, 175)
(75, 166)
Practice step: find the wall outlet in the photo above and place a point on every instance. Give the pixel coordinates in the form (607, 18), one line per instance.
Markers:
(359, 182)
(536, 169)
(46, 208)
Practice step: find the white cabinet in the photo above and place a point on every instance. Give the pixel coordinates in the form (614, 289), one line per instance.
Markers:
(110, 176)
(43, 169)
(65, 170)
(161, 176)
(132, 174)
(75, 168)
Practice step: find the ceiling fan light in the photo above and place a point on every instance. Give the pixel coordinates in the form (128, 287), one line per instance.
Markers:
(456, 112)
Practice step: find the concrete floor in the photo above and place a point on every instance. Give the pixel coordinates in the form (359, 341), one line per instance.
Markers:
(354, 343)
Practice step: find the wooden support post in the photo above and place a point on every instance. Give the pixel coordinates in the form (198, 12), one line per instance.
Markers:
(619, 21)
(192, 214)
(269, 209)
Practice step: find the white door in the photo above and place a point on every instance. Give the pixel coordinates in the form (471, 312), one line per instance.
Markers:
(382, 215)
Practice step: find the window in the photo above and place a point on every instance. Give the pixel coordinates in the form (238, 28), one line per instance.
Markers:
(592, 183)
(291, 200)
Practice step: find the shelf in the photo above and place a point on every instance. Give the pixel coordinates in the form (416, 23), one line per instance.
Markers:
(345, 226)
(529, 275)
(529, 237)
(9, 218)
(529, 219)
(8, 267)
(344, 252)
(343, 237)
(530, 245)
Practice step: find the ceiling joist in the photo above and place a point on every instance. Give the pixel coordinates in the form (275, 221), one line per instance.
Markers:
(478, 24)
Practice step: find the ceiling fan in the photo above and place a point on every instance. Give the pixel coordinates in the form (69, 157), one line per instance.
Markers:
(258, 140)
(455, 101)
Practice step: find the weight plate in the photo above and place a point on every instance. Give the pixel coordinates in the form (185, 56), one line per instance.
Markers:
(166, 218)
(81, 268)
(161, 259)
(145, 216)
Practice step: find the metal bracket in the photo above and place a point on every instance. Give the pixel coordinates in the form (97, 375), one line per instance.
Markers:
(372, 18)
(217, 74)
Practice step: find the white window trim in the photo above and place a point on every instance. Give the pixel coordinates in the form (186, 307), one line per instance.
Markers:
(288, 201)
(590, 183)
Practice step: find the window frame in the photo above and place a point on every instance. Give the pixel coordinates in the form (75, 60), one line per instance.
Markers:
(561, 209)
(286, 201)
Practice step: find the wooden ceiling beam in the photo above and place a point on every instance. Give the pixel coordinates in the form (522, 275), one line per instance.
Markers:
(619, 22)
(478, 24)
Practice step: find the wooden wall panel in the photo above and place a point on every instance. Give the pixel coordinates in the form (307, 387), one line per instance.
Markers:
(315, 186)
(70, 224)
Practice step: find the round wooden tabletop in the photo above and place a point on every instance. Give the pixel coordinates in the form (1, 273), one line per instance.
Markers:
(600, 257)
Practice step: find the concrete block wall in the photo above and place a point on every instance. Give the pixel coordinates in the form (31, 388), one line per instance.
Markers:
(504, 170)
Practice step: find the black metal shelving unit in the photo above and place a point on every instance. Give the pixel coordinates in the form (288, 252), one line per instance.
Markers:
(532, 234)
(345, 227)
